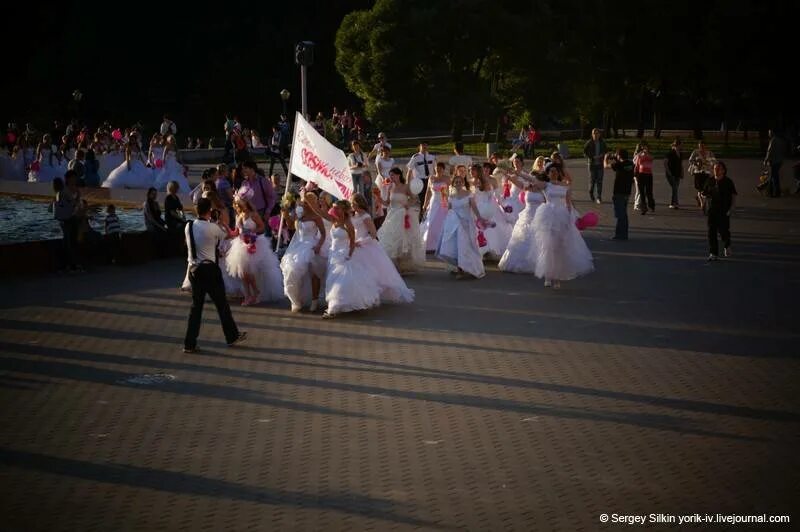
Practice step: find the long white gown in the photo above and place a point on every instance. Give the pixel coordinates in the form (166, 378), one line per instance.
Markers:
(522, 252)
(458, 246)
(171, 170)
(130, 175)
(402, 244)
(393, 288)
(349, 284)
(299, 261)
(431, 226)
(261, 263)
(497, 236)
(563, 254)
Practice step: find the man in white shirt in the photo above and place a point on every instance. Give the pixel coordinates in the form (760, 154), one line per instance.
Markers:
(376, 149)
(202, 238)
(422, 165)
(459, 158)
(358, 164)
(168, 127)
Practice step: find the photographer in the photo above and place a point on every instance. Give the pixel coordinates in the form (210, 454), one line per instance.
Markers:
(623, 183)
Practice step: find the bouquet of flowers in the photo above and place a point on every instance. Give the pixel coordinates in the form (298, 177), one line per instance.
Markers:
(482, 240)
(249, 239)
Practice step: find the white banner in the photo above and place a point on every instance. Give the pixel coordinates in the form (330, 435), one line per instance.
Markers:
(317, 160)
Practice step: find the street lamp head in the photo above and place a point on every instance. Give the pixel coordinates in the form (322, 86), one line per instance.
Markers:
(285, 95)
(77, 95)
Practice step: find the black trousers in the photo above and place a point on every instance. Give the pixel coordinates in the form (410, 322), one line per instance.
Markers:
(206, 278)
(645, 182)
(718, 223)
(422, 196)
(277, 156)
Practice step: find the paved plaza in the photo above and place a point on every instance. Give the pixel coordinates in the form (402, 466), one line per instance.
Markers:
(661, 383)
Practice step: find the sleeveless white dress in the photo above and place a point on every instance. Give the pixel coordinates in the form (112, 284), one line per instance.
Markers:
(261, 263)
(130, 175)
(497, 237)
(522, 252)
(431, 226)
(349, 284)
(393, 288)
(402, 245)
(459, 243)
(172, 170)
(299, 262)
(562, 252)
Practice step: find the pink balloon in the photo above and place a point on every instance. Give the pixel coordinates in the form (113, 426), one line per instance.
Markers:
(159, 163)
(580, 224)
(591, 219)
(117, 134)
(274, 222)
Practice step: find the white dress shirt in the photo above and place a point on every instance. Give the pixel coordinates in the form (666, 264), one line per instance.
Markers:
(206, 237)
(419, 161)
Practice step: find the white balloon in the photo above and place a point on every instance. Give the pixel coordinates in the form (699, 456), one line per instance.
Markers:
(416, 185)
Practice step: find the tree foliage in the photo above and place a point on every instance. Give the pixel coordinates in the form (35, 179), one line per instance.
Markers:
(419, 63)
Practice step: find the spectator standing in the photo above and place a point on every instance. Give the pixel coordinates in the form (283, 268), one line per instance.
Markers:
(459, 159)
(357, 162)
(319, 124)
(422, 165)
(257, 189)
(276, 149)
(173, 210)
(376, 149)
(225, 190)
(92, 169)
(720, 196)
(674, 170)
(776, 153)
(168, 127)
(533, 138)
(77, 164)
(623, 183)
(595, 150)
(643, 163)
(701, 161)
(65, 210)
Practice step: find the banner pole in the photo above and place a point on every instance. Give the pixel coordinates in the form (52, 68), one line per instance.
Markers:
(288, 183)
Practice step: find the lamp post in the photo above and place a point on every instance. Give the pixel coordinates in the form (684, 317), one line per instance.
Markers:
(285, 98)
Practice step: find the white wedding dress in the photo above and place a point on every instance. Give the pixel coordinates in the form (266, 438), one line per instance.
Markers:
(562, 252)
(349, 284)
(522, 252)
(402, 244)
(459, 243)
(393, 288)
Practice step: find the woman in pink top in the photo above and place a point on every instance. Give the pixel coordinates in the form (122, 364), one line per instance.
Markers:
(643, 165)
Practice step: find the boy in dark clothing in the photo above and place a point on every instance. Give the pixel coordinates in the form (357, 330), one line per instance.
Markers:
(720, 196)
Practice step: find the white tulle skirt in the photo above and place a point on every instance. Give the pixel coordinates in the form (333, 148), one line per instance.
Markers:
(136, 175)
(392, 287)
(262, 264)
(458, 246)
(497, 237)
(431, 227)
(522, 252)
(299, 262)
(108, 163)
(403, 246)
(562, 252)
(349, 285)
(171, 171)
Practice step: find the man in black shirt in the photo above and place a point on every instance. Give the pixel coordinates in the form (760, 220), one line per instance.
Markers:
(720, 196)
(623, 183)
